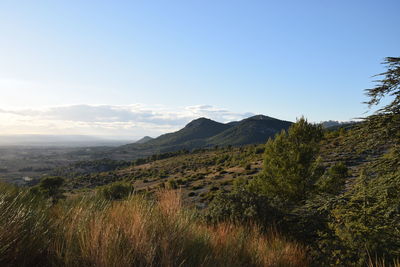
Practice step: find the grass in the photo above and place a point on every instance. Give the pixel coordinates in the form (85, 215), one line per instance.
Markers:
(133, 232)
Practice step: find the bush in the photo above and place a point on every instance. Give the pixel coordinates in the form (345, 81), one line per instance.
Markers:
(241, 206)
(333, 182)
(116, 191)
(50, 187)
(135, 232)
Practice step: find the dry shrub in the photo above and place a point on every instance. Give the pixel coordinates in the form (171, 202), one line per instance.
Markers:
(140, 232)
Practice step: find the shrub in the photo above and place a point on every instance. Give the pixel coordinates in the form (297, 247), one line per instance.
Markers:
(334, 180)
(116, 191)
(134, 232)
(241, 206)
(50, 187)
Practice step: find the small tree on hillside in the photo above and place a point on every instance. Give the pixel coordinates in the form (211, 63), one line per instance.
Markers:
(291, 167)
(50, 187)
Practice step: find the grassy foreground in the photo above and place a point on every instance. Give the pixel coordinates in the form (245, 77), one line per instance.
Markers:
(134, 232)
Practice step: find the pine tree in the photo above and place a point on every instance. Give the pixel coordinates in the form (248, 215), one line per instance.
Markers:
(291, 166)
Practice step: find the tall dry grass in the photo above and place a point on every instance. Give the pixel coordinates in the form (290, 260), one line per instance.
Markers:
(24, 228)
(377, 262)
(139, 232)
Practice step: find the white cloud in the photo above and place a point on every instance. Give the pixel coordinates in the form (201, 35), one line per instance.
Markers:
(131, 121)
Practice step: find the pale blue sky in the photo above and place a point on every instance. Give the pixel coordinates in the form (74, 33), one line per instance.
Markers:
(279, 58)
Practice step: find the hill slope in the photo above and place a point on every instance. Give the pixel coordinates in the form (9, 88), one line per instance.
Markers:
(253, 130)
(199, 129)
(144, 140)
(202, 133)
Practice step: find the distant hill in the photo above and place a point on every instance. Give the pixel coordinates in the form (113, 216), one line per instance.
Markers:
(199, 129)
(144, 140)
(332, 123)
(253, 130)
(203, 132)
(335, 125)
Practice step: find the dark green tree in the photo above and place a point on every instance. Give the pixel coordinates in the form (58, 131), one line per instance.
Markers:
(50, 187)
(365, 219)
(385, 123)
(388, 86)
(291, 165)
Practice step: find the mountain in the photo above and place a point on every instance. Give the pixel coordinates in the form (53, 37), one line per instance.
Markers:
(332, 123)
(202, 133)
(335, 125)
(196, 131)
(144, 140)
(253, 130)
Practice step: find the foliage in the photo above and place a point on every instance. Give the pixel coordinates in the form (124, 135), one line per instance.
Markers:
(334, 180)
(116, 191)
(241, 206)
(388, 86)
(134, 232)
(291, 167)
(385, 123)
(50, 187)
(368, 215)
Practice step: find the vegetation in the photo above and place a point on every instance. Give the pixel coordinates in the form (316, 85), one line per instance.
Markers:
(134, 232)
(308, 197)
(50, 187)
(291, 168)
(116, 191)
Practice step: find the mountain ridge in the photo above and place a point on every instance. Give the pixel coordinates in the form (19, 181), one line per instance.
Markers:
(204, 132)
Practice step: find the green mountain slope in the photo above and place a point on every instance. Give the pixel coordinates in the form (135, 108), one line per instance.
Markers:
(202, 133)
(144, 140)
(253, 130)
(201, 128)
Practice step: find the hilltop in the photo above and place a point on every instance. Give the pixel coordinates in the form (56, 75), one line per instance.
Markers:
(205, 133)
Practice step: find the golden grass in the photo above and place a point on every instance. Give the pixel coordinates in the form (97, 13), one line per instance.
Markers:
(140, 232)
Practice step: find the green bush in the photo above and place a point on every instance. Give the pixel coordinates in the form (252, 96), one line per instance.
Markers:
(366, 218)
(241, 206)
(116, 191)
(333, 182)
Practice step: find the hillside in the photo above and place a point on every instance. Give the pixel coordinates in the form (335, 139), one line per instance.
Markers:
(201, 173)
(205, 133)
(144, 140)
(253, 130)
(199, 129)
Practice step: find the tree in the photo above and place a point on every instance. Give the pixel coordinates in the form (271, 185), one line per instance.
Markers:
(291, 167)
(50, 187)
(385, 123)
(388, 86)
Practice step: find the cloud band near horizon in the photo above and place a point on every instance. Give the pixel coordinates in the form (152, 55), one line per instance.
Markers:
(128, 121)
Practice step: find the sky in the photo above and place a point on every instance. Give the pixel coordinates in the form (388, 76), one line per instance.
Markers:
(135, 68)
